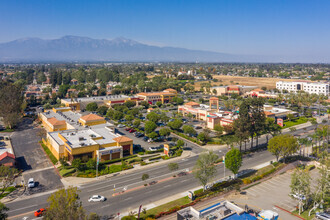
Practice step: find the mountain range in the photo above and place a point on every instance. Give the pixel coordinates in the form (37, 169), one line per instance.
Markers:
(85, 49)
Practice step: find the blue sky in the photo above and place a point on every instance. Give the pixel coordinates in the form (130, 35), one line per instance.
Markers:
(264, 27)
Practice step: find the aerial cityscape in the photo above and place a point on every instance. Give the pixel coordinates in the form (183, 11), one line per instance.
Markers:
(141, 110)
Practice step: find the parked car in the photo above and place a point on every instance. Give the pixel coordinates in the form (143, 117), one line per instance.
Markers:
(171, 144)
(184, 120)
(127, 129)
(39, 212)
(132, 131)
(323, 215)
(31, 183)
(145, 138)
(153, 148)
(197, 127)
(96, 198)
(298, 196)
(160, 124)
(121, 126)
(143, 118)
(138, 134)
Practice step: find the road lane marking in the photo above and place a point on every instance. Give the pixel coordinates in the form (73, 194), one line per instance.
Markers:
(13, 210)
(128, 198)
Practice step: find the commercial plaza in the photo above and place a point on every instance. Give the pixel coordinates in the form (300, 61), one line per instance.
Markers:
(73, 135)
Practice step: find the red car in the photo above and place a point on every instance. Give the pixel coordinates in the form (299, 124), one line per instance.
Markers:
(39, 212)
(127, 129)
(132, 131)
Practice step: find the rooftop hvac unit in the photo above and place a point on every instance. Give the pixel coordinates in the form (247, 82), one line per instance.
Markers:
(81, 138)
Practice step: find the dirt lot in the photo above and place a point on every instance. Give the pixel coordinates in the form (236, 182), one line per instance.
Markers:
(270, 83)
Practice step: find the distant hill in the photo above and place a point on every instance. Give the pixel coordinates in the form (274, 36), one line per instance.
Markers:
(74, 48)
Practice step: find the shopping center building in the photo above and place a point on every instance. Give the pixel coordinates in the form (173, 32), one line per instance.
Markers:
(73, 135)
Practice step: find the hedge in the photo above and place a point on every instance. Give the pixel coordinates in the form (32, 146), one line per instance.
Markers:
(135, 159)
(155, 158)
(117, 160)
(187, 137)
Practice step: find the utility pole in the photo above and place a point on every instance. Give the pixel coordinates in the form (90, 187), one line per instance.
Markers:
(97, 164)
(224, 167)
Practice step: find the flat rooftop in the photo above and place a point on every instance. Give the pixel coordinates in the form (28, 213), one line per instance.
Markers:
(222, 210)
(98, 98)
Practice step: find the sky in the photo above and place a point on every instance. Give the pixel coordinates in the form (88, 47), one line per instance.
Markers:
(291, 28)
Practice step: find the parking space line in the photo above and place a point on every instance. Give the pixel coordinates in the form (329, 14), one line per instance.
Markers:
(248, 192)
(251, 189)
(263, 188)
(271, 185)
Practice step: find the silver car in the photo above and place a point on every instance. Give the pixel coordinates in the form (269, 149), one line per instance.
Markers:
(323, 215)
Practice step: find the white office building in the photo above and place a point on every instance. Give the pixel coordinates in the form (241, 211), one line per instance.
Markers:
(309, 87)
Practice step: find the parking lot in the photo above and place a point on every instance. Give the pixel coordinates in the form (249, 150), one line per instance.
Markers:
(273, 192)
(32, 159)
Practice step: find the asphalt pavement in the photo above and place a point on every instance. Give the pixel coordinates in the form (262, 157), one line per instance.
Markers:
(149, 195)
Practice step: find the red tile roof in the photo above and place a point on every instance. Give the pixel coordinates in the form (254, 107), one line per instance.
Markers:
(91, 117)
(54, 121)
(122, 139)
(6, 154)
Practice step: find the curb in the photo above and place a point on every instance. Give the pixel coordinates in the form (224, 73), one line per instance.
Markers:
(289, 212)
(51, 161)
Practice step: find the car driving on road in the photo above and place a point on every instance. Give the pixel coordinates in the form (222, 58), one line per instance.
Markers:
(39, 212)
(96, 198)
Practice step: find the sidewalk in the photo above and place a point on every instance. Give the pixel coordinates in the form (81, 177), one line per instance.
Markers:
(77, 181)
(14, 195)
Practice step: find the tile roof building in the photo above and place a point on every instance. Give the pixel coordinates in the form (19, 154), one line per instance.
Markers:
(73, 135)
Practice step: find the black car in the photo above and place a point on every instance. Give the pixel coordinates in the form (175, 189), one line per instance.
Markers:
(145, 138)
(138, 134)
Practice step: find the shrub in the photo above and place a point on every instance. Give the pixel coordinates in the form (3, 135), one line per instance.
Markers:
(310, 167)
(133, 160)
(67, 172)
(155, 158)
(246, 181)
(117, 160)
(140, 153)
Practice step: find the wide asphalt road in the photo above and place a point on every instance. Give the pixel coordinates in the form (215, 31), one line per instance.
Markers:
(144, 195)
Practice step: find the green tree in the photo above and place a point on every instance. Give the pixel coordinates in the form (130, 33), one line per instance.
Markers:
(300, 185)
(145, 104)
(163, 117)
(159, 103)
(63, 204)
(117, 115)
(91, 164)
(203, 137)
(76, 163)
(180, 143)
(219, 130)
(233, 160)
(91, 107)
(3, 209)
(129, 118)
(149, 127)
(152, 135)
(290, 117)
(173, 166)
(154, 117)
(283, 145)
(136, 123)
(130, 104)
(205, 169)
(11, 101)
(7, 176)
(102, 110)
(175, 125)
(164, 132)
(187, 129)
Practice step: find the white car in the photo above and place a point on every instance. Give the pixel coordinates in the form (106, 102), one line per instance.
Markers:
(298, 196)
(120, 126)
(31, 183)
(96, 198)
